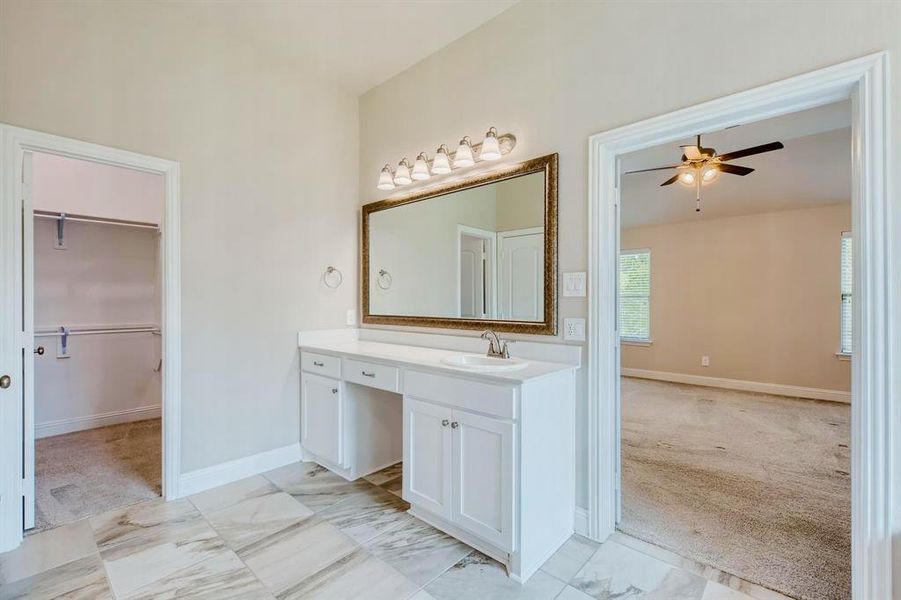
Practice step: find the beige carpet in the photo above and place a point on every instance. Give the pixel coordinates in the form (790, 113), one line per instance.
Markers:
(88, 472)
(755, 485)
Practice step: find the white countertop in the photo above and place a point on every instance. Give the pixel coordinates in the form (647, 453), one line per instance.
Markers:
(430, 359)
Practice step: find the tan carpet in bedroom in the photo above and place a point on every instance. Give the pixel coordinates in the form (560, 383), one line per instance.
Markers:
(753, 484)
(88, 472)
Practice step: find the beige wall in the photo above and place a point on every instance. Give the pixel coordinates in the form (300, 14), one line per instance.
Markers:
(758, 294)
(268, 190)
(553, 73)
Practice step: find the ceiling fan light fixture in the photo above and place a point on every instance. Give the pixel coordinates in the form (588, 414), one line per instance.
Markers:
(687, 178)
(709, 174)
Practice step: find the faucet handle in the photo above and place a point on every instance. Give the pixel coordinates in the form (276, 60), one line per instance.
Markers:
(505, 350)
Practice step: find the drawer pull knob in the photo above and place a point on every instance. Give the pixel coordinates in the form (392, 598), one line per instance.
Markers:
(444, 422)
(334, 390)
(454, 425)
(316, 363)
(365, 374)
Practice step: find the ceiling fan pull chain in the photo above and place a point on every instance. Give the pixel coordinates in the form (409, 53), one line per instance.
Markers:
(698, 200)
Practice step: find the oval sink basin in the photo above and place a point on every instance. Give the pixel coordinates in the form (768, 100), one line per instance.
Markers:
(480, 362)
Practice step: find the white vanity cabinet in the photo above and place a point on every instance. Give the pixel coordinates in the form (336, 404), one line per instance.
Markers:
(487, 457)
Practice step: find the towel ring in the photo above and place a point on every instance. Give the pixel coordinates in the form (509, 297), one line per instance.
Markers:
(332, 278)
(384, 279)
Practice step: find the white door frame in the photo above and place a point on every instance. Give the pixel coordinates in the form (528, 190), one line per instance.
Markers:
(14, 143)
(876, 368)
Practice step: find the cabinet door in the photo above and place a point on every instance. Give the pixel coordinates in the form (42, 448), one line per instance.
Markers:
(321, 417)
(427, 456)
(483, 477)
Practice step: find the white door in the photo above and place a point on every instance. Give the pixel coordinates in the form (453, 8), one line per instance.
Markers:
(472, 277)
(321, 424)
(427, 456)
(521, 274)
(483, 477)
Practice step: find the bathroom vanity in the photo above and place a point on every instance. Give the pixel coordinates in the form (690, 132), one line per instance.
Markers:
(487, 447)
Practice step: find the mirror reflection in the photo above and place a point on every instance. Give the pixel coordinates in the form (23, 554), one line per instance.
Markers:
(477, 253)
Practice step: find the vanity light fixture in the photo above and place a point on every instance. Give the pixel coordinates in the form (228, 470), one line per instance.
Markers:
(421, 168)
(386, 179)
(463, 156)
(402, 175)
(493, 147)
(441, 162)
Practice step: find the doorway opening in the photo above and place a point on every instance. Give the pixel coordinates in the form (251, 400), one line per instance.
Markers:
(94, 282)
(874, 309)
(93, 432)
(736, 343)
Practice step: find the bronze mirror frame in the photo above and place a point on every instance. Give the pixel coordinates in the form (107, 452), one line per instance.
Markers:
(544, 164)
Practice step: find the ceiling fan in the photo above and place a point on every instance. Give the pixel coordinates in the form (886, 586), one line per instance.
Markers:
(702, 165)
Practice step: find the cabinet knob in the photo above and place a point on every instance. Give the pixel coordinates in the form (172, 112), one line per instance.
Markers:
(454, 425)
(444, 422)
(5, 381)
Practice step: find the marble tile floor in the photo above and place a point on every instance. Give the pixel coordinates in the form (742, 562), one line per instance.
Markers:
(302, 532)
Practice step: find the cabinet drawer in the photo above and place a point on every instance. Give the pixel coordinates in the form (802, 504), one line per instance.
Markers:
(374, 375)
(321, 364)
(498, 400)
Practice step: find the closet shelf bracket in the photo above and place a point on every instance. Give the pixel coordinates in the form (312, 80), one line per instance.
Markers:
(62, 345)
(60, 242)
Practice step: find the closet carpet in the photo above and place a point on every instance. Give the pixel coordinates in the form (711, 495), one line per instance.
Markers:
(89, 472)
(752, 484)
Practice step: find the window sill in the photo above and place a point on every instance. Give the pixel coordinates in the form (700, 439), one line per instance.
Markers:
(628, 342)
(843, 355)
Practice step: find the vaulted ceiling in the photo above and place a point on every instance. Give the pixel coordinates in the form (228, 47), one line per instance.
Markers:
(813, 169)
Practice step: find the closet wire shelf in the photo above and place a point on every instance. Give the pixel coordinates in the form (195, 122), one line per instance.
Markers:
(96, 331)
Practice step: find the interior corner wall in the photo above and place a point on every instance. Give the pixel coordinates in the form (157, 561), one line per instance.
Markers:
(554, 73)
(268, 190)
(760, 295)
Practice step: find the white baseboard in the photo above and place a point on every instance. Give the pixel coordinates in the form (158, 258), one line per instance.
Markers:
(580, 523)
(61, 426)
(200, 480)
(777, 389)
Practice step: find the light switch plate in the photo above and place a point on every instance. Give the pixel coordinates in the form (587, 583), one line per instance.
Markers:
(574, 284)
(351, 316)
(574, 330)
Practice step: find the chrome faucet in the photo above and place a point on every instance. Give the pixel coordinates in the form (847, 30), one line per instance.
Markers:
(496, 348)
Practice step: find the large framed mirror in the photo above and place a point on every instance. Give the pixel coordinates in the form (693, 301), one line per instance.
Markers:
(473, 254)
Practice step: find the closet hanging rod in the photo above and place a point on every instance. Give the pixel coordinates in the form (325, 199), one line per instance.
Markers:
(47, 214)
(107, 330)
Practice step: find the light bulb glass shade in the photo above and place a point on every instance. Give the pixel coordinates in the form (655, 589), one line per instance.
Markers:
(386, 179)
(402, 175)
(687, 177)
(463, 156)
(441, 162)
(421, 168)
(709, 174)
(491, 149)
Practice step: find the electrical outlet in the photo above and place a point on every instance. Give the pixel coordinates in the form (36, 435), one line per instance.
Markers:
(351, 316)
(705, 361)
(574, 330)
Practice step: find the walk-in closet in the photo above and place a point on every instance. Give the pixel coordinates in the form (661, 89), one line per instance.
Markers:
(94, 412)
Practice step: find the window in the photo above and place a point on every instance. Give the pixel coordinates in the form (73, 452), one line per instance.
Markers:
(846, 278)
(635, 295)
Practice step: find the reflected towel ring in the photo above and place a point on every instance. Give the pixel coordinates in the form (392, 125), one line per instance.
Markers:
(332, 278)
(384, 279)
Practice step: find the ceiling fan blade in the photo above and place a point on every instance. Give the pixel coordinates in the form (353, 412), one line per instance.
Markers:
(691, 152)
(671, 180)
(654, 169)
(734, 169)
(753, 150)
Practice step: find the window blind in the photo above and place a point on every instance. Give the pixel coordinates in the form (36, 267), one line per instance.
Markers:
(846, 281)
(635, 295)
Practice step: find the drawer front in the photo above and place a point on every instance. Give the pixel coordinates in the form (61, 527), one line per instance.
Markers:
(374, 375)
(321, 364)
(497, 400)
